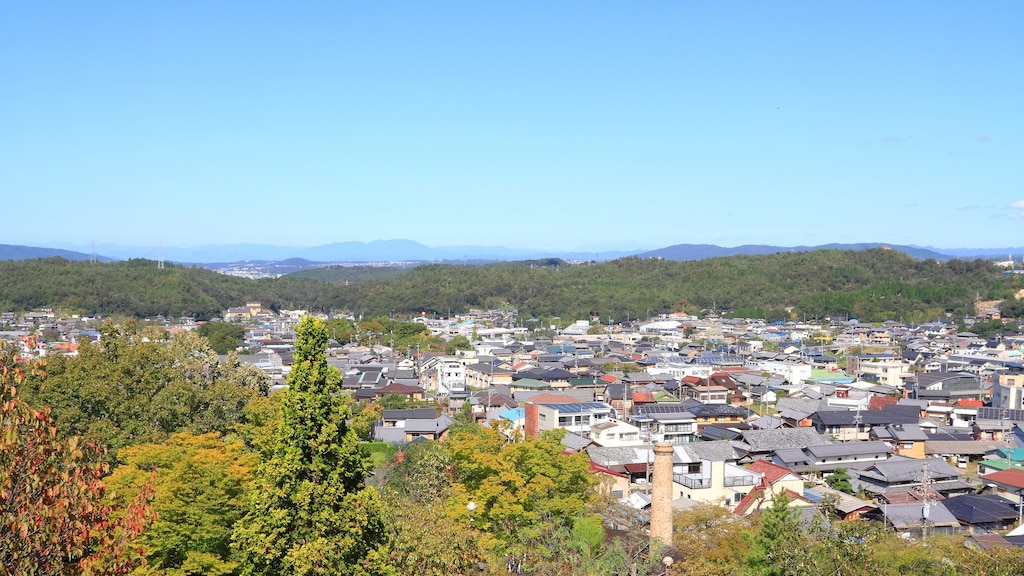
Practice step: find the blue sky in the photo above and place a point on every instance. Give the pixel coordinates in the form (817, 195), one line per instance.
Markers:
(571, 125)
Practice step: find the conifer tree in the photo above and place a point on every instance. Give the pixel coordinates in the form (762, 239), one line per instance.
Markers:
(310, 511)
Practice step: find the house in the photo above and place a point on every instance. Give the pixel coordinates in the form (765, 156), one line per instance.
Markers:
(906, 439)
(610, 484)
(716, 414)
(615, 433)
(712, 475)
(982, 512)
(847, 507)
(401, 426)
(902, 475)
(1008, 388)
(949, 387)
(669, 422)
(576, 417)
(823, 459)
(775, 480)
(411, 392)
(908, 519)
(445, 375)
(846, 425)
(763, 444)
(636, 462)
(487, 374)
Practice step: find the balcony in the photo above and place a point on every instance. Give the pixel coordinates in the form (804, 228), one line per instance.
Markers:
(693, 482)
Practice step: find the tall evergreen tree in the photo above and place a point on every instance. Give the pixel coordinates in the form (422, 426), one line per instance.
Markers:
(310, 511)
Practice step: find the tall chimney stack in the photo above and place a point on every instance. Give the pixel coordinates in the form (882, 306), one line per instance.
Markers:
(661, 496)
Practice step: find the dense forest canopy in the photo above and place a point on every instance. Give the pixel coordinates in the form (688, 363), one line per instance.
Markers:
(871, 285)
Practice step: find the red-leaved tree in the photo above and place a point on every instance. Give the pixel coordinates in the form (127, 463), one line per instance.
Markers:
(52, 516)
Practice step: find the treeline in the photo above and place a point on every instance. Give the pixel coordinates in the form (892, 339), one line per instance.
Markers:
(871, 285)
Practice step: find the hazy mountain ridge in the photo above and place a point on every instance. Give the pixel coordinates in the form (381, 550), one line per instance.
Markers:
(401, 250)
(15, 252)
(702, 251)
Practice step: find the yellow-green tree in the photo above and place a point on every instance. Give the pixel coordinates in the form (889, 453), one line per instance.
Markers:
(199, 487)
(526, 492)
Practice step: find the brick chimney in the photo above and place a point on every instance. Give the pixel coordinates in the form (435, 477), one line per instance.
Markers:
(661, 495)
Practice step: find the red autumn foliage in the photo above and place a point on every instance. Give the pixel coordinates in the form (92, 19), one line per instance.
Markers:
(52, 516)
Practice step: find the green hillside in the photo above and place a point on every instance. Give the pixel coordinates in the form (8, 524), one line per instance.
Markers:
(137, 288)
(872, 285)
(350, 274)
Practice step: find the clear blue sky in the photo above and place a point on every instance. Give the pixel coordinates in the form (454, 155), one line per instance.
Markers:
(569, 125)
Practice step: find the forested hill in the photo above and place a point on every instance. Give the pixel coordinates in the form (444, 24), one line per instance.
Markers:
(138, 288)
(871, 285)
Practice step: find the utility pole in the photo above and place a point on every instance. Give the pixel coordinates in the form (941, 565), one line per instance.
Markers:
(926, 496)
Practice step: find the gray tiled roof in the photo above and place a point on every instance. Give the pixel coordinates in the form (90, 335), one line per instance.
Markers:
(718, 450)
(771, 440)
(848, 449)
(898, 469)
(966, 447)
(909, 515)
(792, 456)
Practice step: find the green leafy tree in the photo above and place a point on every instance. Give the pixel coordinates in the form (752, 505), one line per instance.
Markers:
(140, 385)
(310, 511)
(53, 520)
(776, 545)
(199, 493)
(840, 480)
(526, 491)
(717, 533)
(364, 420)
(224, 337)
(423, 473)
(459, 342)
(1012, 308)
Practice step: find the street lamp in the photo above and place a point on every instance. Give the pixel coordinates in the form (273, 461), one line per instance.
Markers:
(667, 561)
(471, 507)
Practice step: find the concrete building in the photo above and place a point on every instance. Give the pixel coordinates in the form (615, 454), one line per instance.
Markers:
(1008, 390)
(578, 418)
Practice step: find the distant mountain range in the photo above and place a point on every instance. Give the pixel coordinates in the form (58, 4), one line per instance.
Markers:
(411, 251)
(9, 252)
(702, 251)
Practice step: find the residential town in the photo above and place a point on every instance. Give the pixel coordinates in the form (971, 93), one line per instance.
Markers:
(925, 420)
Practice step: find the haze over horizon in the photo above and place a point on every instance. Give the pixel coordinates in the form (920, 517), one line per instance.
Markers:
(579, 126)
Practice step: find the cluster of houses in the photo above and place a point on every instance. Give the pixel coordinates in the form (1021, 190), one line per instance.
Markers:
(926, 449)
(927, 422)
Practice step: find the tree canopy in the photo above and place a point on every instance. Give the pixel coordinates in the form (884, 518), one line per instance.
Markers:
(310, 511)
(872, 285)
(53, 519)
(141, 385)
